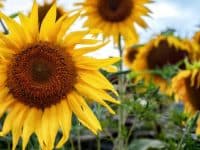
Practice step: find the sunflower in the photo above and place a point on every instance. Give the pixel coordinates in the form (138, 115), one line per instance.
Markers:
(43, 9)
(196, 37)
(45, 77)
(159, 52)
(186, 86)
(130, 55)
(196, 45)
(116, 17)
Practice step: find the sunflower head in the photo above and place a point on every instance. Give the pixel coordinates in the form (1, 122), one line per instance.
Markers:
(186, 87)
(116, 17)
(158, 53)
(45, 77)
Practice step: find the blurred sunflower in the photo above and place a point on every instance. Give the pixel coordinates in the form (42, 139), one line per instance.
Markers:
(45, 77)
(130, 55)
(186, 87)
(196, 37)
(114, 17)
(158, 53)
(43, 9)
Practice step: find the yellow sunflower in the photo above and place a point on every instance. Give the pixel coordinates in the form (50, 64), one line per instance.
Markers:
(130, 55)
(186, 87)
(43, 9)
(45, 77)
(159, 52)
(196, 37)
(114, 17)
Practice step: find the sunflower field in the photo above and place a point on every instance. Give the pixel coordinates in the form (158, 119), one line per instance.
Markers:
(84, 77)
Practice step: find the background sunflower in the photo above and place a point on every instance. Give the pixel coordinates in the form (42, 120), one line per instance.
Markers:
(116, 17)
(157, 54)
(186, 87)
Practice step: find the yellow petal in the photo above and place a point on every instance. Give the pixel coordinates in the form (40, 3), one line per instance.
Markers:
(97, 80)
(5, 104)
(92, 94)
(53, 125)
(64, 114)
(34, 19)
(56, 28)
(94, 64)
(48, 23)
(17, 125)
(83, 112)
(15, 31)
(85, 50)
(74, 37)
(30, 125)
(7, 126)
(65, 26)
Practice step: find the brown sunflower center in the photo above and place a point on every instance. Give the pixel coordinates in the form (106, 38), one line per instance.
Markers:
(115, 10)
(194, 94)
(131, 55)
(165, 54)
(43, 10)
(41, 75)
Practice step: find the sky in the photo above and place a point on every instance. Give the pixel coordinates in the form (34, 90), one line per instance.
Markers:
(181, 15)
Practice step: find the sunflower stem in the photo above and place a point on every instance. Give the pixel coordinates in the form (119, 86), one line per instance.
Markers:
(98, 142)
(120, 141)
(72, 144)
(98, 135)
(189, 127)
(79, 137)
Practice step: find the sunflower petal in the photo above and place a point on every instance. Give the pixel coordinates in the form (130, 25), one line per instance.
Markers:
(64, 117)
(30, 125)
(48, 23)
(83, 112)
(92, 94)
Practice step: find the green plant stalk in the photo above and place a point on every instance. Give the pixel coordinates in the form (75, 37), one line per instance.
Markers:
(72, 144)
(120, 142)
(98, 136)
(79, 137)
(188, 130)
(98, 142)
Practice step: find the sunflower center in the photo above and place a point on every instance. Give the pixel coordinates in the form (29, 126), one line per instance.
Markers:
(41, 70)
(131, 55)
(165, 54)
(193, 93)
(115, 10)
(41, 75)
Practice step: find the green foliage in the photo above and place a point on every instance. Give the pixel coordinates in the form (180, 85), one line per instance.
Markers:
(146, 144)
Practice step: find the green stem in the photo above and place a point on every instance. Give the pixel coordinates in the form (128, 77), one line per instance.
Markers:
(189, 127)
(98, 135)
(79, 137)
(72, 144)
(98, 142)
(121, 93)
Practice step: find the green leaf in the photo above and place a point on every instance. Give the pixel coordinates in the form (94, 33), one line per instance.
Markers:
(146, 144)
